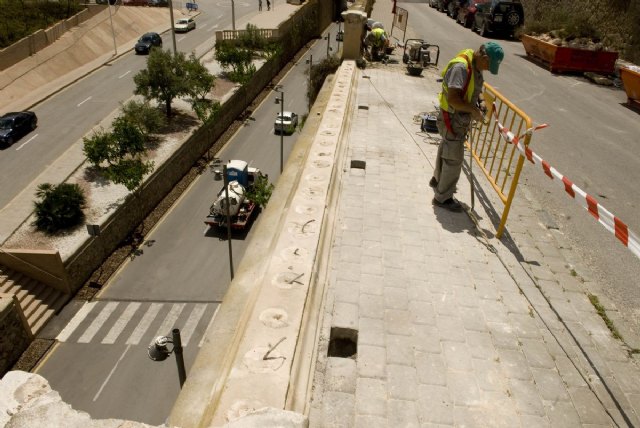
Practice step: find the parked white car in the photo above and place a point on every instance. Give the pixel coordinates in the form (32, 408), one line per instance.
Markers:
(185, 24)
(287, 122)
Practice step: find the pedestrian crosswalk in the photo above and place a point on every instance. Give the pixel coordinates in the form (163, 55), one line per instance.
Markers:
(134, 323)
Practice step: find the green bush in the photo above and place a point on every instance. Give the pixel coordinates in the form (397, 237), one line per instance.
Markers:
(59, 208)
(319, 73)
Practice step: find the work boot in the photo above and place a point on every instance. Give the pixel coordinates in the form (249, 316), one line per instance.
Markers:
(450, 204)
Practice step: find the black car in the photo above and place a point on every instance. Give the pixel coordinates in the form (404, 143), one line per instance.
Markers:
(147, 41)
(16, 124)
(499, 16)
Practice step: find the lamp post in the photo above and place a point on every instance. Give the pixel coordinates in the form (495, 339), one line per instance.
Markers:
(328, 38)
(158, 351)
(310, 62)
(173, 30)
(228, 209)
(233, 16)
(280, 101)
(113, 31)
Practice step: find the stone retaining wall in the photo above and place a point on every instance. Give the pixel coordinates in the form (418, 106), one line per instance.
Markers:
(15, 337)
(39, 40)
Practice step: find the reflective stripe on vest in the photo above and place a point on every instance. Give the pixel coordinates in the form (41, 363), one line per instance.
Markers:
(465, 57)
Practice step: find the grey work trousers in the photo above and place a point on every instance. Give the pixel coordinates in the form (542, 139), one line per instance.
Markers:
(450, 154)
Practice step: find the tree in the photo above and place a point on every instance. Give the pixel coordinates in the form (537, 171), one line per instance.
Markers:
(236, 58)
(164, 79)
(200, 81)
(261, 191)
(144, 116)
(60, 207)
(119, 154)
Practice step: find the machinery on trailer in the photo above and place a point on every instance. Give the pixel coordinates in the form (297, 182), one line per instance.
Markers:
(241, 178)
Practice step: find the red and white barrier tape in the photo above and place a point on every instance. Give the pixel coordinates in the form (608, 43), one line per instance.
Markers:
(612, 223)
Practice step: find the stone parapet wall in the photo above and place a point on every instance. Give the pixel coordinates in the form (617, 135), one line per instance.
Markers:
(15, 337)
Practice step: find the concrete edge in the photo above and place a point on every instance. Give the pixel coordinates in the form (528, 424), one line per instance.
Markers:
(198, 403)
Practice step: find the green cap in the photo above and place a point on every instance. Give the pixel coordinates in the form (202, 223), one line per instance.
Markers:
(496, 54)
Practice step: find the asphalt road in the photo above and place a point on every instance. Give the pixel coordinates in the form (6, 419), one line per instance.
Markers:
(69, 115)
(592, 139)
(100, 364)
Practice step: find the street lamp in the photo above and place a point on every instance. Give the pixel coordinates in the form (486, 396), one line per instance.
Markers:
(158, 351)
(113, 31)
(310, 62)
(328, 39)
(278, 88)
(233, 16)
(173, 30)
(228, 208)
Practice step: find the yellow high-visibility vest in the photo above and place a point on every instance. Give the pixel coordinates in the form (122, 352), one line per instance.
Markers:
(465, 57)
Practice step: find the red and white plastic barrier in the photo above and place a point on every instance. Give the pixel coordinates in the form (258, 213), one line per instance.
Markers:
(612, 223)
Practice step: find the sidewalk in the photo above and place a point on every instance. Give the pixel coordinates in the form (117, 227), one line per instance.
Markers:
(451, 329)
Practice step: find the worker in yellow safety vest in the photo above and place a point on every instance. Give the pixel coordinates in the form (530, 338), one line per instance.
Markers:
(461, 101)
(377, 40)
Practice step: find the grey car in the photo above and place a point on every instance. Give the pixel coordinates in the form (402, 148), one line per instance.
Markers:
(148, 41)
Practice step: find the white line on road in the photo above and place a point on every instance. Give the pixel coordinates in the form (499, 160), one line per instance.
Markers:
(110, 374)
(88, 98)
(181, 39)
(169, 322)
(204, 336)
(102, 317)
(26, 142)
(75, 322)
(212, 28)
(192, 322)
(144, 324)
(121, 323)
(122, 75)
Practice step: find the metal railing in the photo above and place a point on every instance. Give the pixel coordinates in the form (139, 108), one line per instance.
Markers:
(499, 160)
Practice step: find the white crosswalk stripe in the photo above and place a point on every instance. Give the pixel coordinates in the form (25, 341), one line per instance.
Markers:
(75, 322)
(98, 322)
(148, 318)
(192, 323)
(132, 323)
(122, 322)
(169, 321)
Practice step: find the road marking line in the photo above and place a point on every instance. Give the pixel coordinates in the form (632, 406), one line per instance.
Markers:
(83, 102)
(181, 39)
(169, 322)
(144, 324)
(192, 323)
(26, 142)
(121, 323)
(204, 336)
(75, 321)
(110, 374)
(122, 75)
(98, 322)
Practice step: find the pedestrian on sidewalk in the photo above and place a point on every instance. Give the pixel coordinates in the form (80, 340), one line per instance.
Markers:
(461, 102)
(259, 5)
(268, 4)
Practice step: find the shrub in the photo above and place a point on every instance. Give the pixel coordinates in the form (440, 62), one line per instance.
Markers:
(319, 73)
(60, 207)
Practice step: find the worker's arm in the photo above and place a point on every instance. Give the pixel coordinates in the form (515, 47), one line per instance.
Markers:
(456, 100)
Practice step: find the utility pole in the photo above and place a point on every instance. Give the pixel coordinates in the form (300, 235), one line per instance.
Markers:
(228, 209)
(173, 30)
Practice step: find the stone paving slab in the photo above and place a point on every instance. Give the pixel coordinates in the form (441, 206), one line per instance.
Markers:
(453, 330)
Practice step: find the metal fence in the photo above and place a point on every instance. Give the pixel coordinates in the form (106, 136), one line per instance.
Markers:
(499, 159)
